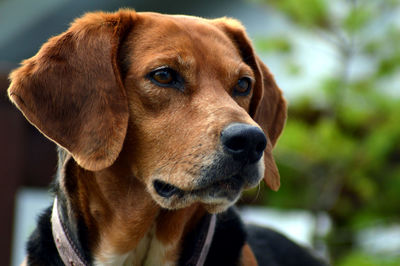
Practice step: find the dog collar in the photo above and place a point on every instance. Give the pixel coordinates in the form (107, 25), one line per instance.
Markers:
(205, 246)
(71, 256)
(196, 247)
(66, 248)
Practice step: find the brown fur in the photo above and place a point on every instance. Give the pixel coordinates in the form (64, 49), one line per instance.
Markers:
(86, 90)
(248, 257)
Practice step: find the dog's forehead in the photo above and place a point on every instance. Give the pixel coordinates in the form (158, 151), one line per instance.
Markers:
(186, 36)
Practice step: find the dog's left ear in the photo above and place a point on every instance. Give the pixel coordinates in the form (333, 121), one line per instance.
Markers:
(267, 106)
(72, 89)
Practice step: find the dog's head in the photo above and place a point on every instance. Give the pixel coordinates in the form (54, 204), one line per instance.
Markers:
(183, 101)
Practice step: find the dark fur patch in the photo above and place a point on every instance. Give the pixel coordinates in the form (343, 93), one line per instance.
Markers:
(270, 248)
(227, 243)
(41, 248)
(273, 249)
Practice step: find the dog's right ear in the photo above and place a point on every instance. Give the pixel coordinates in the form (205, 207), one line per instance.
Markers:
(72, 90)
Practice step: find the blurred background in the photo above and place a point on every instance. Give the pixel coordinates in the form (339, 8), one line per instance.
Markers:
(338, 63)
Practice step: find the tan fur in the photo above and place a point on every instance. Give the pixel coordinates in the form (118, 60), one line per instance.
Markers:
(248, 257)
(87, 90)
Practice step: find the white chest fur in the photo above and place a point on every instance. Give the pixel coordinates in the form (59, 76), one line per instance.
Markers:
(149, 252)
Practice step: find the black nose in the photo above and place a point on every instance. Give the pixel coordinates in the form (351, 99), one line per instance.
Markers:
(244, 142)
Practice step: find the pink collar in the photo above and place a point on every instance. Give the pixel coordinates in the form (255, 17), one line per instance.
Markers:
(68, 252)
(207, 243)
(71, 255)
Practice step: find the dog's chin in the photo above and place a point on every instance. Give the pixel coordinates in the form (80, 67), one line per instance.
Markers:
(211, 204)
(215, 197)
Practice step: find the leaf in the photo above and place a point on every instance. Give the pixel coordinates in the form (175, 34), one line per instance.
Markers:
(357, 18)
(307, 13)
(275, 44)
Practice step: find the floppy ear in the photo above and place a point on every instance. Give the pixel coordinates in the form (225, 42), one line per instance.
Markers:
(72, 91)
(267, 106)
(270, 114)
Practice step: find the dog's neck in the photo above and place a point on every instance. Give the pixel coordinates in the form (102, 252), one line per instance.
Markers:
(124, 224)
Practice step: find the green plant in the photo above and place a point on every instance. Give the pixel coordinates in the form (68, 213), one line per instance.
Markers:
(340, 152)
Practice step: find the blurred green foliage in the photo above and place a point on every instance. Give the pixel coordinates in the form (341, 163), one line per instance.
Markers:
(357, 258)
(340, 151)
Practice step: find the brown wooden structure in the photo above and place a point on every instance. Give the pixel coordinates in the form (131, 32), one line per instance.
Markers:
(27, 159)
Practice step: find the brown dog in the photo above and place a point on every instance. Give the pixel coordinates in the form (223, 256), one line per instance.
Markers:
(160, 120)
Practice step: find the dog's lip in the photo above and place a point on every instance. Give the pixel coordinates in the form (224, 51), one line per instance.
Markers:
(167, 190)
(233, 183)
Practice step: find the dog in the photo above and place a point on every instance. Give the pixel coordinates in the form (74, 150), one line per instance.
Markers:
(161, 121)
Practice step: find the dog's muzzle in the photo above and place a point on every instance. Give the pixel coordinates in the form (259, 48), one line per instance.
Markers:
(236, 166)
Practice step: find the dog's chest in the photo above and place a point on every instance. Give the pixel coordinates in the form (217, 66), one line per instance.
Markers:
(150, 251)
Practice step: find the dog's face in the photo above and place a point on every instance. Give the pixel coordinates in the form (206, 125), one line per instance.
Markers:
(193, 110)
(184, 90)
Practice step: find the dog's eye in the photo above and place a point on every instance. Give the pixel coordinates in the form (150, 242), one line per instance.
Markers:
(163, 76)
(242, 87)
(166, 77)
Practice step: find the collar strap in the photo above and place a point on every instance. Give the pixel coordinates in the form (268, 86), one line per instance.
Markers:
(71, 256)
(207, 241)
(66, 248)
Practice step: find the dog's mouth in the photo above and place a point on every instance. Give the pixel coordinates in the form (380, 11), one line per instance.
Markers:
(166, 190)
(221, 188)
